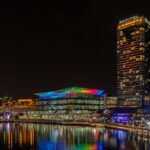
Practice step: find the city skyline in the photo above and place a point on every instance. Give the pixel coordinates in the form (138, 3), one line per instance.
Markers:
(58, 44)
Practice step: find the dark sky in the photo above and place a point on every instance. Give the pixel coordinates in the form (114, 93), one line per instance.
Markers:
(52, 44)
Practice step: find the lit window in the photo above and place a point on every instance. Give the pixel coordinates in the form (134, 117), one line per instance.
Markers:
(124, 39)
(142, 48)
(142, 57)
(121, 42)
(142, 29)
(124, 65)
(133, 33)
(121, 33)
(141, 78)
(141, 44)
(133, 48)
(124, 52)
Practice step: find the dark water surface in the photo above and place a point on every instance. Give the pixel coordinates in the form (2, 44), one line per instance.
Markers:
(57, 137)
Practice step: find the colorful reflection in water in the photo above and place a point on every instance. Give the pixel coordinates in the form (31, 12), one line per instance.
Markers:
(57, 137)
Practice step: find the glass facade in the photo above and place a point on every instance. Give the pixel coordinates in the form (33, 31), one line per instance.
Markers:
(111, 102)
(68, 103)
(133, 62)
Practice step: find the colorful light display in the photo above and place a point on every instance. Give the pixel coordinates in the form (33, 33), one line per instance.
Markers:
(121, 118)
(73, 92)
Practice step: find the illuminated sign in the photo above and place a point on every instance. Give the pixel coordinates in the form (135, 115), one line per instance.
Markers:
(129, 19)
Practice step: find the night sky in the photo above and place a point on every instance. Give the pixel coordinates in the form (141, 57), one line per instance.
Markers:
(52, 44)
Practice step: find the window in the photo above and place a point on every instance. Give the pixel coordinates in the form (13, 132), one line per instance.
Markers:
(142, 57)
(124, 65)
(121, 33)
(142, 29)
(141, 44)
(142, 48)
(128, 51)
(124, 39)
(133, 48)
(132, 43)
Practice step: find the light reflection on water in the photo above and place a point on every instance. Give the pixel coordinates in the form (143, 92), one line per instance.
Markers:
(58, 137)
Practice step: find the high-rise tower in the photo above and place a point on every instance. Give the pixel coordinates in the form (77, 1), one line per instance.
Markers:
(133, 62)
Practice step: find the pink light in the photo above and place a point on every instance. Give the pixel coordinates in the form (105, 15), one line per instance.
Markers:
(95, 133)
(90, 91)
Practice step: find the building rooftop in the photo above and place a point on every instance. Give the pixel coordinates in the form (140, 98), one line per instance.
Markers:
(131, 21)
(73, 92)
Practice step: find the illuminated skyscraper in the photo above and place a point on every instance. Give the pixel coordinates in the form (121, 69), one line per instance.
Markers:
(133, 62)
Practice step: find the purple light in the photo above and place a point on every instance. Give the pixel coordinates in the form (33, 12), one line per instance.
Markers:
(121, 118)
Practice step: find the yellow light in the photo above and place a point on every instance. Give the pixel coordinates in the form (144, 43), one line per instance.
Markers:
(25, 100)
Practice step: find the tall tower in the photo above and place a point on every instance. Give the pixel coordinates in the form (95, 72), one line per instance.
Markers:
(133, 62)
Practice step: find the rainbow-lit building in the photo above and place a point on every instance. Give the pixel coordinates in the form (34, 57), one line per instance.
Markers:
(69, 103)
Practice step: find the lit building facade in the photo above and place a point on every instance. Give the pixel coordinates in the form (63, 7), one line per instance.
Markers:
(28, 103)
(133, 62)
(70, 103)
(19, 104)
(111, 102)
